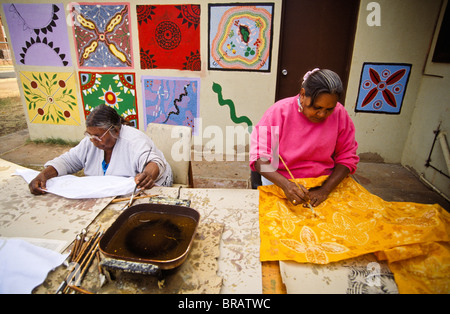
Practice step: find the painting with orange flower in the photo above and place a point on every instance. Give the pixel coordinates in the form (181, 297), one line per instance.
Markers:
(117, 90)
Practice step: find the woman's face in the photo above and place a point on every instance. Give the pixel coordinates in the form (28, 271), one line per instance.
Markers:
(322, 107)
(102, 138)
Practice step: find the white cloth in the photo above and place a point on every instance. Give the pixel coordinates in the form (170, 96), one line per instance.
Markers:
(265, 181)
(24, 266)
(74, 187)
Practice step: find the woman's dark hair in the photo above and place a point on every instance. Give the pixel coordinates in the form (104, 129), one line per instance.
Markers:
(318, 81)
(104, 117)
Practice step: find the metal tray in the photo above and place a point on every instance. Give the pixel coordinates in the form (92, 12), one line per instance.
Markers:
(150, 235)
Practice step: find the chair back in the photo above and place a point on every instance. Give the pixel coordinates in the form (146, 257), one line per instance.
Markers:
(174, 141)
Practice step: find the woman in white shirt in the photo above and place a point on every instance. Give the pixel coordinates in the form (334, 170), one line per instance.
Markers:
(110, 148)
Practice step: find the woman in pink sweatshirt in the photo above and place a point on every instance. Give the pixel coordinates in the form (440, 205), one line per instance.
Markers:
(313, 134)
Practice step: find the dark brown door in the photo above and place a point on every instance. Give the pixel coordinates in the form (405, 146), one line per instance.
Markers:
(315, 33)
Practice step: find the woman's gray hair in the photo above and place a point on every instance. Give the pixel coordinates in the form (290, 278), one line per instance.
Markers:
(104, 117)
(318, 81)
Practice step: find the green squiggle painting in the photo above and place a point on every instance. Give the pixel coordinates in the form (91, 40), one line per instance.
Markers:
(242, 119)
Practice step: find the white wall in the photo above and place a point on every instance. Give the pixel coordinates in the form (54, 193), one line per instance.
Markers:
(432, 111)
(404, 36)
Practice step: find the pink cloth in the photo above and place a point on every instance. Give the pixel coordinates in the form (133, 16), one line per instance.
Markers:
(309, 149)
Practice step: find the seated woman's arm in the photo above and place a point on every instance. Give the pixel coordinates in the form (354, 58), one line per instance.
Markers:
(39, 184)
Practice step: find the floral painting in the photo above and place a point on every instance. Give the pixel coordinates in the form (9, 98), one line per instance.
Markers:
(117, 90)
(51, 98)
(382, 87)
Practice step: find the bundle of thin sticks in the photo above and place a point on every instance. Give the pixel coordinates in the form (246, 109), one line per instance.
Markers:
(126, 199)
(83, 252)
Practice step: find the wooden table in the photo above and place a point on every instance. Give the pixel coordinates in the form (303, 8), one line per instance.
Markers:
(53, 218)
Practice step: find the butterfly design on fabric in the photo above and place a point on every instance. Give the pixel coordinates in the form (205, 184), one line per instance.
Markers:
(424, 221)
(344, 227)
(286, 216)
(309, 244)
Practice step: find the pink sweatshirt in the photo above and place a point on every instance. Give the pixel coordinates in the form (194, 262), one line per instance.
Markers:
(309, 149)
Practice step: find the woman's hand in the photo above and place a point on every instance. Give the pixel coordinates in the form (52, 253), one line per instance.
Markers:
(318, 195)
(295, 194)
(146, 179)
(38, 185)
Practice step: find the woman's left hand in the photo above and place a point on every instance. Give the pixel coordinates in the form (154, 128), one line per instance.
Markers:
(318, 195)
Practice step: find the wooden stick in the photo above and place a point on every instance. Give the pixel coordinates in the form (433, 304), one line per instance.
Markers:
(74, 251)
(289, 171)
(80, 290)
(118, 200)
(84, 265)
(87, 264)
(292, 176)
(87, 249)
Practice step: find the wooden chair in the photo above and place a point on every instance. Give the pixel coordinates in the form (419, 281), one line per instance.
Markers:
(175, 143)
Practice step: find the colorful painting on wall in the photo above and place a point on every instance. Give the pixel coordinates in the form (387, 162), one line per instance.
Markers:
(382, 87)
(117, 90)
(102, 35)
(169, 36)
(240, 36)
(173, 101)
(38, 34)
(51, 98)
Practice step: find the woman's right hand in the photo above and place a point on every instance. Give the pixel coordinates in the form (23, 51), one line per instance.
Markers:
(38, 185)
(296, 194)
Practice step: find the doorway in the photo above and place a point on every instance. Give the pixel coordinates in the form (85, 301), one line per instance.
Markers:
(315, 34)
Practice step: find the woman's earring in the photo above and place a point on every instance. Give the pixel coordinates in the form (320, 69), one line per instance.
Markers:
(300, 107)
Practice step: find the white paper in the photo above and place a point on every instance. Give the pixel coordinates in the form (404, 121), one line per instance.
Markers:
(24, 266)
(74, 187)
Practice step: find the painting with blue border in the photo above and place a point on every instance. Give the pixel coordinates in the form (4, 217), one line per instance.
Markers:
(382, 87)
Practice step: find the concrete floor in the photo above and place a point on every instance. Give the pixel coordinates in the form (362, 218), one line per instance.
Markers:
(391, 182)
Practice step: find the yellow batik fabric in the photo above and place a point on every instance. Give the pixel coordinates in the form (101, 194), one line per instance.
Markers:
(413, 238)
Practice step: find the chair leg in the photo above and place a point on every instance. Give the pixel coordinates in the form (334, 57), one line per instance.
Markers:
(255, 179)
(191, 176)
